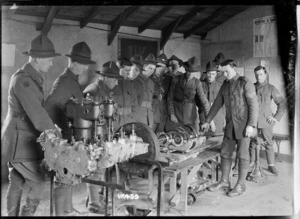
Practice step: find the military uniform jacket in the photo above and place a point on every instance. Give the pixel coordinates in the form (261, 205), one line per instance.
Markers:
(181, 99)
(26, 117)
(211, 91)
(239, 97)
(124, 96)
(159, 103)
(145, 90)
(64, 87)
(265, 93)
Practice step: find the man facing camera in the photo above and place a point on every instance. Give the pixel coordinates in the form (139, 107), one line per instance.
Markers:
(266, 120)
(239, 96)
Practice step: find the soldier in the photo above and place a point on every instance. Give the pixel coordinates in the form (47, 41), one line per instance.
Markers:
(266, 119)
(175, 66)
(211, 88)
(238, 95)
(181, 97)
(162, 81)
(108, 88)
(218, 60)
(128, 89)
(145, 89)
(25, 120)
(220, 75)
(65, 87)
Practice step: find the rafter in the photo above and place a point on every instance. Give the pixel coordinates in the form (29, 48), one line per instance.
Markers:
(119, 22)
(167, 32)
(90, 15)
(191, 15)
(197, 27)
(153, 18)
(49, 19)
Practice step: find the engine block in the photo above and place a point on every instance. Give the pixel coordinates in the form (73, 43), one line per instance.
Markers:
(71, 161)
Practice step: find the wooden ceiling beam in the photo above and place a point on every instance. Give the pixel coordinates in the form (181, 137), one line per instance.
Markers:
(167, 32)
(197, 27)
(49, 19)
(191, 15)
(154, 18)
(119, 22)
(90, 15)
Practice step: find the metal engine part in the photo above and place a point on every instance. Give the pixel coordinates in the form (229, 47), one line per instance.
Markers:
(94, 145)
(147, 135)
(76, 160)
(182, 139)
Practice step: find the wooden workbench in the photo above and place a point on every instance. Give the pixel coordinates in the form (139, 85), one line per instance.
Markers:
(188, 170)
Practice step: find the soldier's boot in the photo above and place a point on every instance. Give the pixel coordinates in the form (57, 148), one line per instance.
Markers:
(13, 200)
(60, 194)
(240, 186)
(30, 207)
(224, 182)
(96, 202)
(14, 192)
(271, 159)
(252, 153)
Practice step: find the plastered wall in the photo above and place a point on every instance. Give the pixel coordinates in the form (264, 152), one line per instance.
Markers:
(64, 34)
(234, 39)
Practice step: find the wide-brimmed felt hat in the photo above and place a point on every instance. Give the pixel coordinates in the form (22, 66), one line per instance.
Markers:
(226, 62)
(81, 53)
(192, 65)
(211, 66)
(138, 60)
(219, 58)
(150, 59)
(173, 57)
(110, 70)
(41, 47)
(123, 61)
(162, 58)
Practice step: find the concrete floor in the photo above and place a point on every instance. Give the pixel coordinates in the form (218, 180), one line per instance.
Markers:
(272, 197)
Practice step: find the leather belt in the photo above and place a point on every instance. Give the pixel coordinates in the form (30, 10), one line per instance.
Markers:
(183, 101)
(124, 111)
(147, 104)
(18, 115)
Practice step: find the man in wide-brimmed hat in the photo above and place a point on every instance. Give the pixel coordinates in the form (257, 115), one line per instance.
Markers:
(65, 87)
(145, 89)
(123, 114)
(238, 95)
(162, 81)
(184, 88)
(175, 66)
(211, 88)
(26, 119)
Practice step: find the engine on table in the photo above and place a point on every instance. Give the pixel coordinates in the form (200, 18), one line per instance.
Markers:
(93, 145)
(180, 144)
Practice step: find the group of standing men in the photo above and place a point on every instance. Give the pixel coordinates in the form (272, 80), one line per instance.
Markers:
(160, 92)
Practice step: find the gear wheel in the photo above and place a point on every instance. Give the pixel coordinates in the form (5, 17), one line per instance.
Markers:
(143, 131)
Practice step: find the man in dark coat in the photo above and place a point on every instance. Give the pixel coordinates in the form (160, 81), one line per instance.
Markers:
(181, 97)
(26, 119)
(109, 88)
(217, 61)
(238, 95)
(211, 89)
(65, 87)
(266, 119)
(145, 88)
(162, 81)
